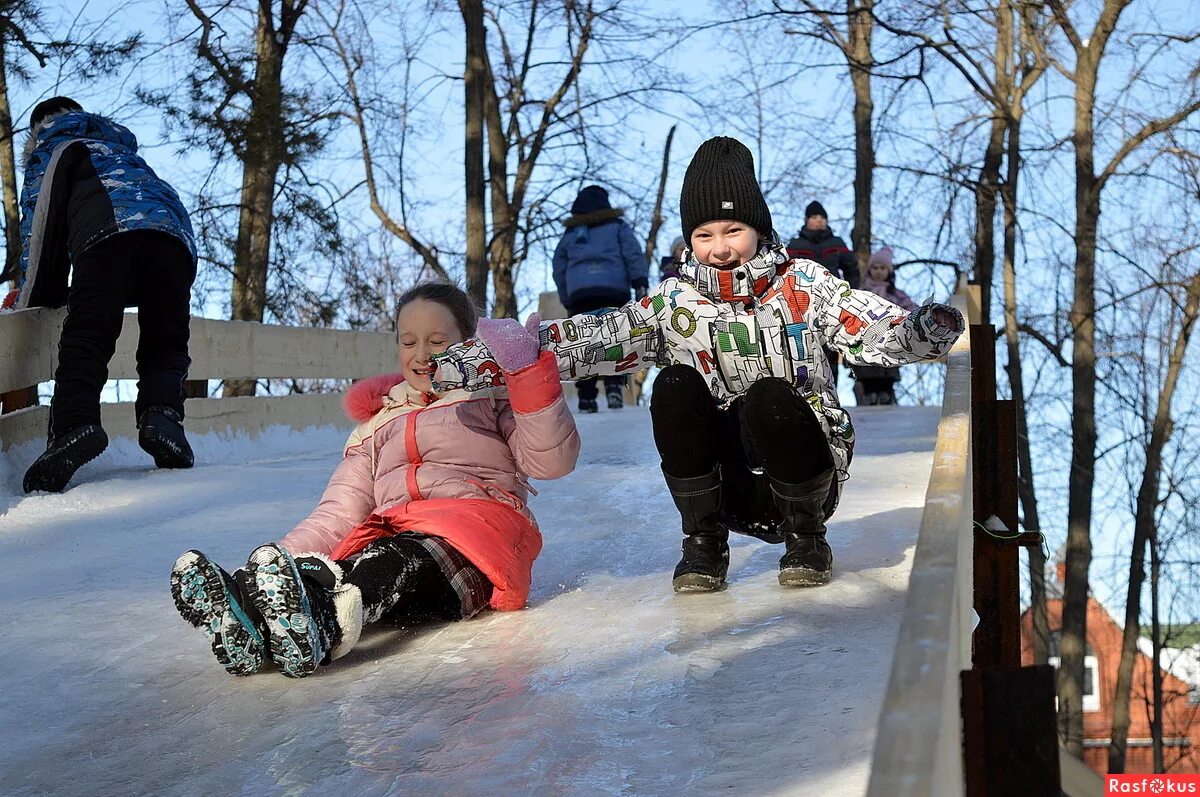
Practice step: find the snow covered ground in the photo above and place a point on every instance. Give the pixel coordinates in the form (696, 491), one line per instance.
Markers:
(608, 684)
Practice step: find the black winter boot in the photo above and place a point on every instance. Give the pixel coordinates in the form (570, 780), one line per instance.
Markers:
(706, 542)
(160, 434)
(63, 456)
(808, 561)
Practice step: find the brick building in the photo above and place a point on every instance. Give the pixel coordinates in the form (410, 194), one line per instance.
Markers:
(1181, 693)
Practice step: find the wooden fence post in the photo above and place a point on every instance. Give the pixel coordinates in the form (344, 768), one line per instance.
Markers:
(1010, 741)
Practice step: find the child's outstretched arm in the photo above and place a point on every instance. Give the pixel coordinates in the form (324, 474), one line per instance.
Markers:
(538, 424)
(539, 428)
(347, 501)
(616, 342)
(869, 330)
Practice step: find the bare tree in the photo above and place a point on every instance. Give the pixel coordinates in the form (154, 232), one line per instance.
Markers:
(522, 102)
(1179, 326)
(1089, 51)
(82, 50)
(347, 27)
(475, 73)
(850, 31)
(238, 105)
(514, 132)
(1004, 83)
(656, 218)
(16, 18)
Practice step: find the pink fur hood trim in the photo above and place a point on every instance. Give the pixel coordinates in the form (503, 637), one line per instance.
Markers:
(365, 398)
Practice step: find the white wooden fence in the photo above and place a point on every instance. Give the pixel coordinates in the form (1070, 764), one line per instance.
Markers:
(219, 350)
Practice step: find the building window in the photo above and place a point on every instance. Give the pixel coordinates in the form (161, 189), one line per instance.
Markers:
(1091, 673)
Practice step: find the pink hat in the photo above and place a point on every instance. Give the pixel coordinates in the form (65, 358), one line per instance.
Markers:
(883, 256)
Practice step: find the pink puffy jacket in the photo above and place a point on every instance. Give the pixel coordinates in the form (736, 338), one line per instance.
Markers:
(412, 451)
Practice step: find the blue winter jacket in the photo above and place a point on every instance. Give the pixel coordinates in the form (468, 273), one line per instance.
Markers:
(85, 182)
(598, 257)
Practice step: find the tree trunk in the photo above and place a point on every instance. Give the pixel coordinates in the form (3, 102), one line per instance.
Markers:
(1025, 481)
(1156, 714)
(1144, 527)
(8, 176)
(504, 214)
(987, 186)
(474, 75)
(656, 218)
(1083, 409)
(861, 19)
(260, 166)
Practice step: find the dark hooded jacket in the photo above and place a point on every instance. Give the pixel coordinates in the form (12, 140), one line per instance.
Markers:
(823, 247)
(598, 259)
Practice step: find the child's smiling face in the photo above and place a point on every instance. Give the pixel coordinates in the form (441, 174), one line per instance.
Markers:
(878, 272)
(724, 244)
(423, 329)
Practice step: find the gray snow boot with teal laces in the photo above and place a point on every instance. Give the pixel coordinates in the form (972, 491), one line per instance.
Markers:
(215, 602)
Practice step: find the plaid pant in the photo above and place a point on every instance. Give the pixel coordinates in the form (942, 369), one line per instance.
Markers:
(416, 574)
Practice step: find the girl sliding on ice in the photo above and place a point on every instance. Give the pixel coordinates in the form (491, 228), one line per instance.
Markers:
(426, 514)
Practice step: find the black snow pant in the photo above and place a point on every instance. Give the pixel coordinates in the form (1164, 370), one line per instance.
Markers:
(149, 269)
(770, 432)
(401, 579)
(587, 387)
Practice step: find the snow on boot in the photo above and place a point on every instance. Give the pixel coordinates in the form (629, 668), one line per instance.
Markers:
(298, 601)
(705, 559)
(616, 398)
(160, 434)
(63, 456)
(215, 602)
(808, 560)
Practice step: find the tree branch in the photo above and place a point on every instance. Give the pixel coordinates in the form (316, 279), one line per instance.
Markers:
(1150, 129)
(1055, 350)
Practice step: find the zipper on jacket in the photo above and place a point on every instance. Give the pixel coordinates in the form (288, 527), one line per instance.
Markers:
(414, 455)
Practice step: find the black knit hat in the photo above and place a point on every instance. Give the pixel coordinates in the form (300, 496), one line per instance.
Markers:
(591, 198)
(720, 184)
(52, 106)
(815, 209)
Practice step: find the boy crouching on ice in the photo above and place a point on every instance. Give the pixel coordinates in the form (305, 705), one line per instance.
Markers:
(746, 418)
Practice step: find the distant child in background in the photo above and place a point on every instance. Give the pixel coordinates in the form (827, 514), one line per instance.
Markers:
(426, 514)
(876, 384)
(746, 420)
(669, 266)
(597, 264)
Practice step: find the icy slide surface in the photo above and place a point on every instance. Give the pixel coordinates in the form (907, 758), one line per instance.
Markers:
(608, 684)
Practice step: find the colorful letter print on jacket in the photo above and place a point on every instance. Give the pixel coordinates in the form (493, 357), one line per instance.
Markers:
(767, 317)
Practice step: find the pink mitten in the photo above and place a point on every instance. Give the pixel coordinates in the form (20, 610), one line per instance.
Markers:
(512, 346)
